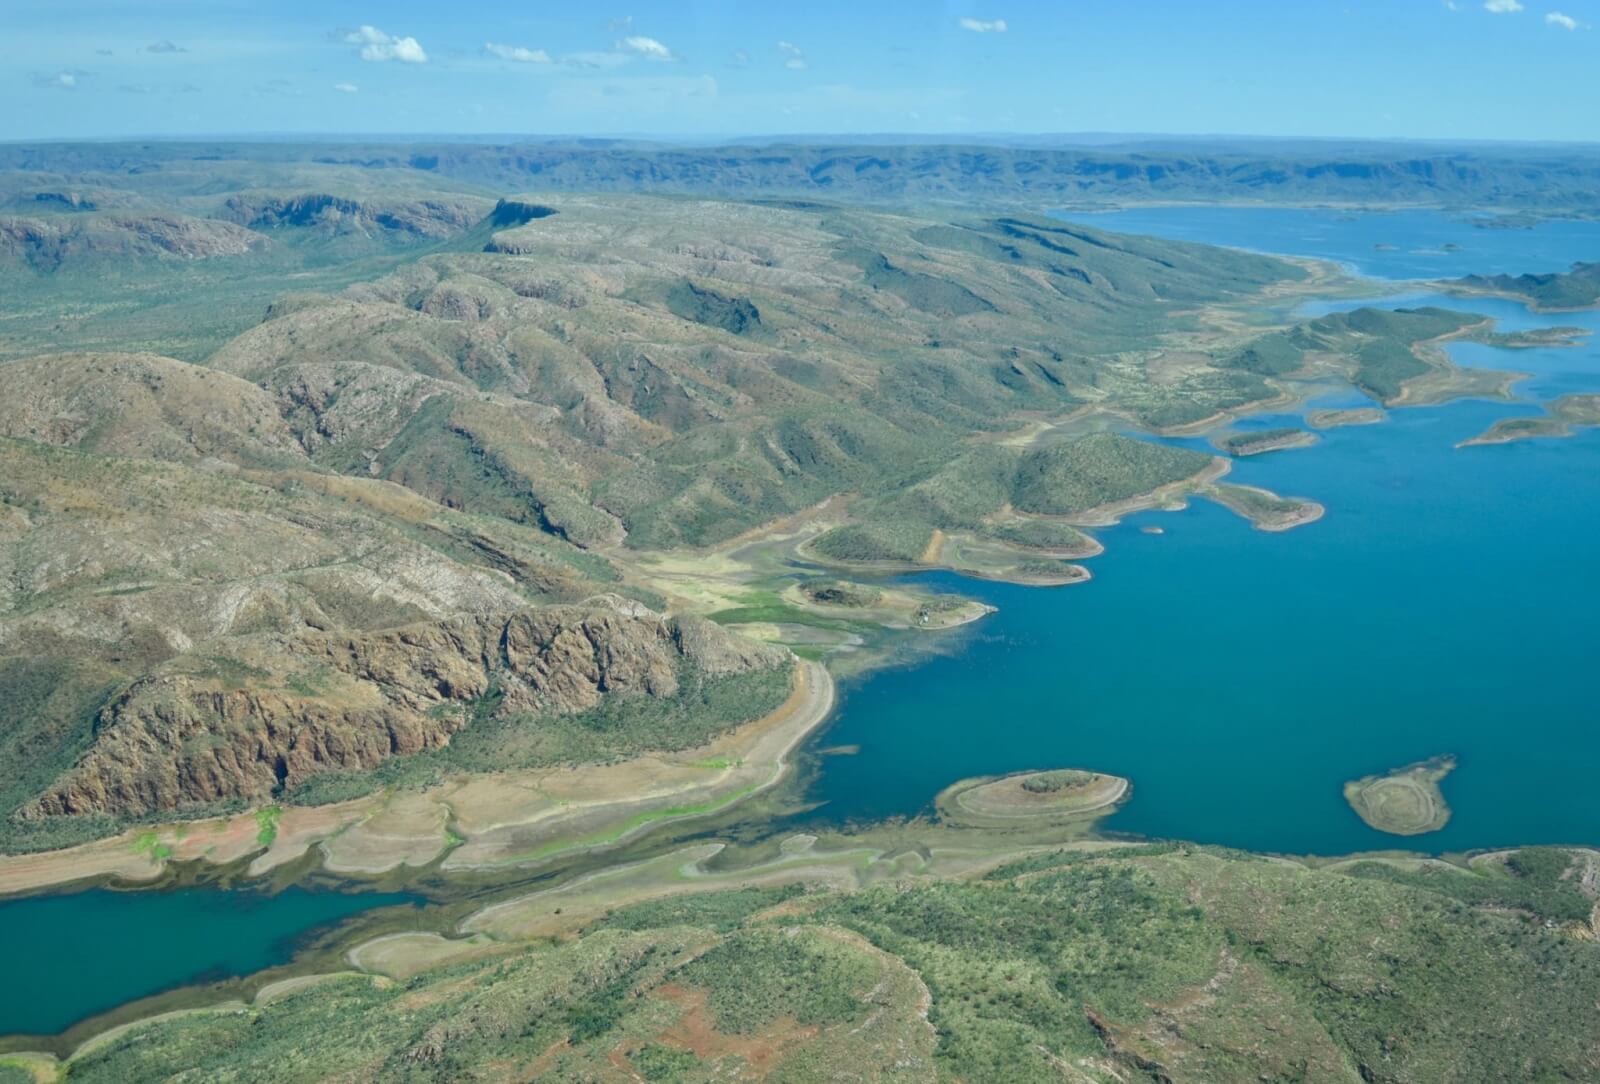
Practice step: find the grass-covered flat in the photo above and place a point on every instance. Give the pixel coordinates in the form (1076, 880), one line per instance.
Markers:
(1404, 802)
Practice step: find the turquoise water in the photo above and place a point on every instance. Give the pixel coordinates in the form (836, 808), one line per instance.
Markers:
(69, 957)
(1449, 602)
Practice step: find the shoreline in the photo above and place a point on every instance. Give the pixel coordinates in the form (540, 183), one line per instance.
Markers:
(417, 829)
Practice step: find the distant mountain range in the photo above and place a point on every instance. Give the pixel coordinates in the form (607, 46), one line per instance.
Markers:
(1546, 177)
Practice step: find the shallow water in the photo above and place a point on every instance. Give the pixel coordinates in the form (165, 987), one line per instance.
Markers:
(1449, 602)
(68, 957)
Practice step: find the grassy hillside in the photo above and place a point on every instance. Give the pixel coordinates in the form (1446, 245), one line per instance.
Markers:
(1578, 288)
(1154, 964)
(1378, 348)
(474, 429)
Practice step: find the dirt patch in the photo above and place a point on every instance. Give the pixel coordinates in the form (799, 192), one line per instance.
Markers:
(696, 1031)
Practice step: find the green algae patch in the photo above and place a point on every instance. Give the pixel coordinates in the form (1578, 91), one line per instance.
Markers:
(1032, 797)
(1404, 802)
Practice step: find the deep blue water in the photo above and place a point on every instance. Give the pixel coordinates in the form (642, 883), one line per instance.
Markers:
(69, 957)
(1449, 602)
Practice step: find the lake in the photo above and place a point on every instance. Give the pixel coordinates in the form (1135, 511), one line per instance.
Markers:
(70, 956)
(1449, 602)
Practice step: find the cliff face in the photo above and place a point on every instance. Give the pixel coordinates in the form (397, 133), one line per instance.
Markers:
(182, 738)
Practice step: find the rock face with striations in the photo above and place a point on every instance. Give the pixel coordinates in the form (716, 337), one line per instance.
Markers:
(177, 738)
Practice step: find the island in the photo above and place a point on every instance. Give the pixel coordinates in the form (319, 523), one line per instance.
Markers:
(1063, 794)
(1564, 291)
(1261, 441)
(1564, 417)
(1265, 510)
(1406, 801)
(1333, 419)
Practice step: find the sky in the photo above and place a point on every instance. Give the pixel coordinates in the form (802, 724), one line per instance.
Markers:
(707, 69)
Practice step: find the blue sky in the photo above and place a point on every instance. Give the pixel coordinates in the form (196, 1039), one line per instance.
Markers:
(1467, 69)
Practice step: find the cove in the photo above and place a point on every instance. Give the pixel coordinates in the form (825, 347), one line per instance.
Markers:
(1449, 602)
(68, 957)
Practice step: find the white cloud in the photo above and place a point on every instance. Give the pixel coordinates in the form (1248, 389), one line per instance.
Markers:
(998, 26)
(646, 47)
(516, 53)
(378, 46)
(795, 64)
(346, 88)
(739, 59)
(789, 47)
(796, 55)
(164, 47)
(1502, 7)
(1565, 22)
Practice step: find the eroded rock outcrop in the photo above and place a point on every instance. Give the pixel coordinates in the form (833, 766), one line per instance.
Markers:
(289, 709)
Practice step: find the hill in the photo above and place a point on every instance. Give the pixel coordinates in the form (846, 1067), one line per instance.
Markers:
(1578, 288)
(1152, 964)
(373, 484)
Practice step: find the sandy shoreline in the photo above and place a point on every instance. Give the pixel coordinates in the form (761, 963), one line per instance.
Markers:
(488, 820)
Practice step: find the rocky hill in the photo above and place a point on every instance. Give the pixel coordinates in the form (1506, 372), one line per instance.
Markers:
(48, 243)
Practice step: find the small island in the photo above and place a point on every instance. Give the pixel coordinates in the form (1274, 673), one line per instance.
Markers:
(1566, 416)
(1263, 440)
(1032, 798)
(1265, 510)
(1333, 419)
(1406, 801)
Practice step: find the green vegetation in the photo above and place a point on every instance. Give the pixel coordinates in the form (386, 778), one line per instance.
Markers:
(840, 593)
(1159, 962)
(755, 976)
(267, 824)
(1544, 881)
(1059, 479)
(1380, 345)
(1064, 479)
(1051, 782)
(620, 727)
(1257, 441)
(1578, 288)
(874, 541)
(735, 315)
(1042, 534)
(1563, 416)
(720, 911)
